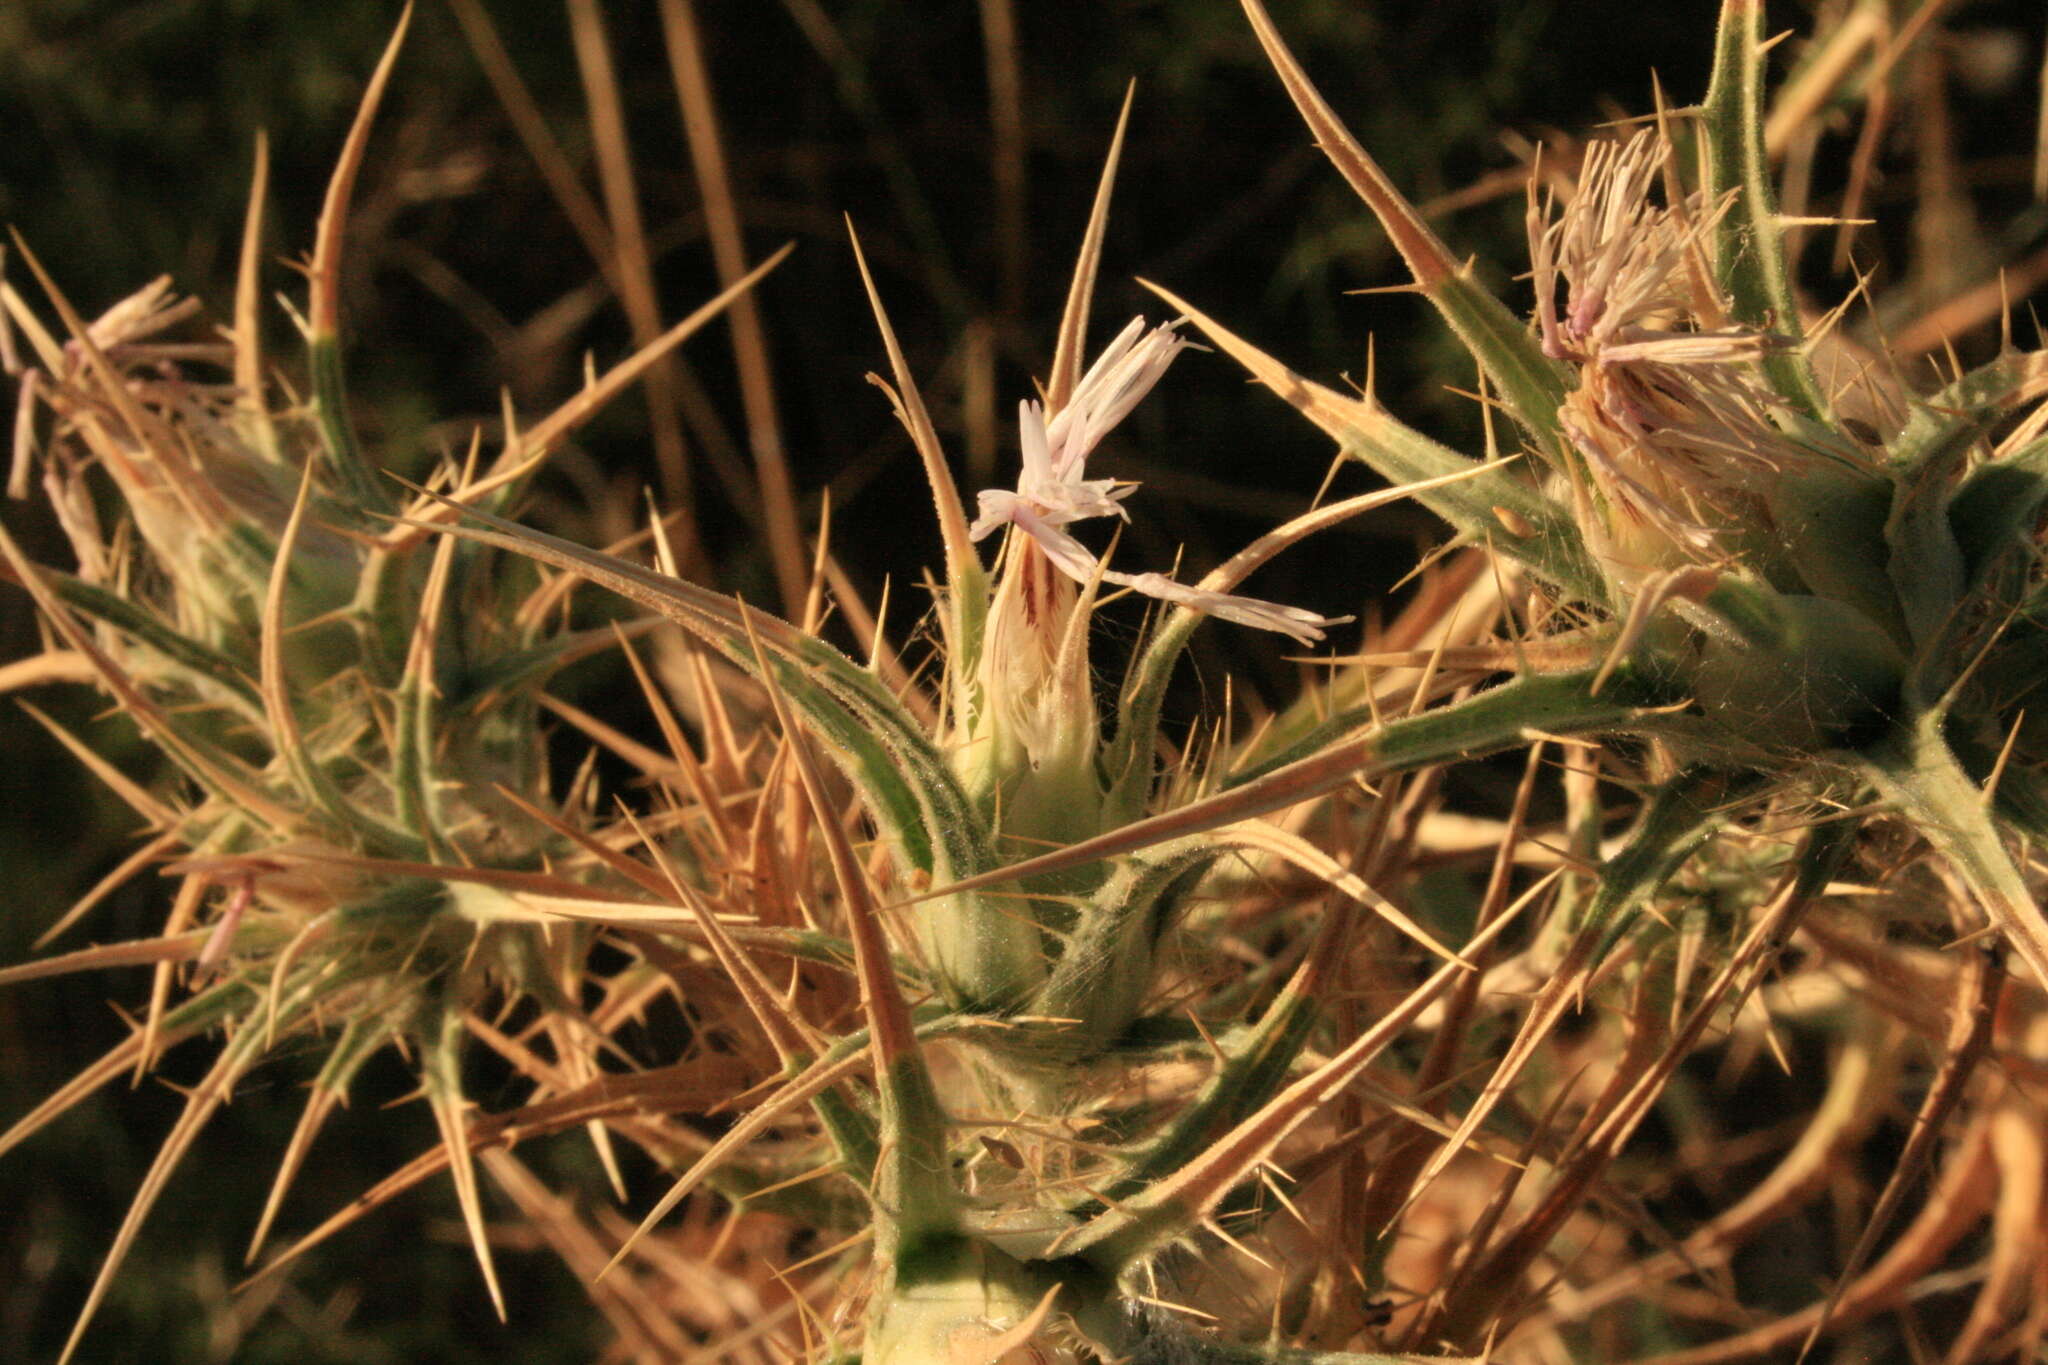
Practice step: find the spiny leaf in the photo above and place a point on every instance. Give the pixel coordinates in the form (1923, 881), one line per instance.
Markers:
(441, 1078)
(966, 580)
(305, 766)
(914, 1191)
(330, 385)
(885, 753)
(992, 957)
(1532, 384)
(222, 773)
(1749, 244)
(1917, 772)
(205, 668)
(1486, 722)
(170, 948)
(1496, 506)
(1493, 720)
(417, 721)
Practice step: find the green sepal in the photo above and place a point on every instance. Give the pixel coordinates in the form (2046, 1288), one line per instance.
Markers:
(1794, 673)
(854, 1133)
(1926, 564)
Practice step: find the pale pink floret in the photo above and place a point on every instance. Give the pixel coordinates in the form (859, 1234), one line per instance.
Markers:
(1051, 493)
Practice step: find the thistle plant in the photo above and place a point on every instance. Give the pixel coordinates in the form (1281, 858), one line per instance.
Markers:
(347, 707)
(1083, 1044)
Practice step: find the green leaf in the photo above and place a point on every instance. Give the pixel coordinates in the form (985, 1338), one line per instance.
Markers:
(353, 473)
(1919, 774)
(906, 780)
(1486, 722)
(1498, 508)
(1993, 512)
(1531, 384)
(1749, 249)
(1496, 504)
(1105, 969)
(206, 667)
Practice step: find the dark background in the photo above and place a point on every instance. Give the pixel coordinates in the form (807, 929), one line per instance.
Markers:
(126, 133)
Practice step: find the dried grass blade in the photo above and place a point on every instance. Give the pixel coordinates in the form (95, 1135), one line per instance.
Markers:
(728, 250)
(249, 310)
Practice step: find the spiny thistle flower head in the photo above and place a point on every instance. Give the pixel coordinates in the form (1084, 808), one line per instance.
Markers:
(1051, 493)
(1045, 703)
(1678, 433)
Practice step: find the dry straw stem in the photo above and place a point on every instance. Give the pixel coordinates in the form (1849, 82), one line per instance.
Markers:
(632, 264)
(749, 338)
